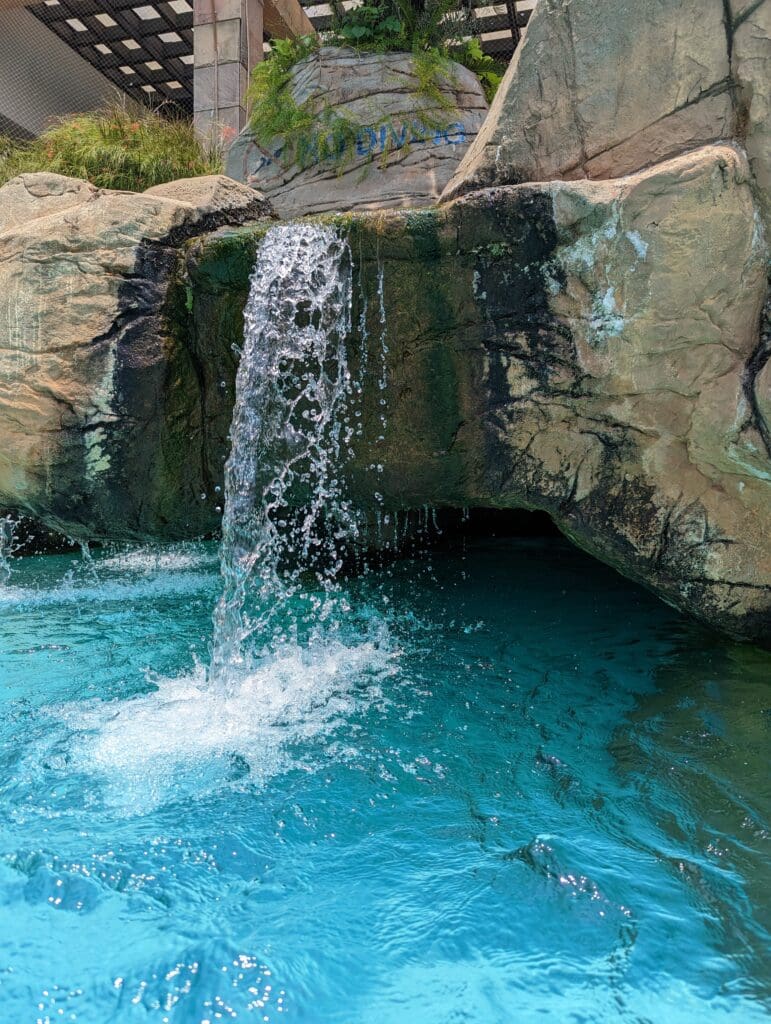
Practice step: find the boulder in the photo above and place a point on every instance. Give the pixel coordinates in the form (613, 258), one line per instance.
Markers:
(97, 398)
(405, 153)
(603, 88)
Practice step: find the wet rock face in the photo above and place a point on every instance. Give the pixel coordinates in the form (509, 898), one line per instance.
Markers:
(405, 153)
(603, 88)
(99, 401)
(592, 350)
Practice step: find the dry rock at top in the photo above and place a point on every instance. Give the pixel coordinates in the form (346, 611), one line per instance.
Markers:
(603, 88)
(405, 152)
(31, 196)
(89, 377)
(212, 195)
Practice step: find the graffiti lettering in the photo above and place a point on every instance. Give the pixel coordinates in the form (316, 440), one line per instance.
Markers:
(371, 142)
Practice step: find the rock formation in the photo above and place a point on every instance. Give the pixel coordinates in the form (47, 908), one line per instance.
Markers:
(582, 335)
(405, 152)
(98, 402)
(591, 349)
(604, 88)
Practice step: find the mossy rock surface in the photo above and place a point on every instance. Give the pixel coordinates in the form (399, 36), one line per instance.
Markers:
(576, 348)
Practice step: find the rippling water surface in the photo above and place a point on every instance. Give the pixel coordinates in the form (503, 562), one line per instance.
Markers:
(508, 787)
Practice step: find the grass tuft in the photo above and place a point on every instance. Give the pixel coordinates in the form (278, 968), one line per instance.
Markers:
(123, 146)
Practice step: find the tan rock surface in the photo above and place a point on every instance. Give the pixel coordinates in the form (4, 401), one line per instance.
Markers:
(37, 195)
(210, 194)
(604, 88)
(378, 91)
(589, 348)
(83, 357)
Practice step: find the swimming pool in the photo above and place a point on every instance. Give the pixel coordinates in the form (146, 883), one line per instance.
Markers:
(504, 784)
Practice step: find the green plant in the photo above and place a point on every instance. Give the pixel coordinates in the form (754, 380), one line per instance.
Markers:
(370, 27)
(308, 133)
(442, 30)
(436, 32)
(488, 70)
(122, 146)
(433, 24)
(274, 112)
(433, 70)
(386, 25)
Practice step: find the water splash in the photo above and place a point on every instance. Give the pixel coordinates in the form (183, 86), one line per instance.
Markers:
(292, 656)
(8, 546)
(286, 519)
(186, 740)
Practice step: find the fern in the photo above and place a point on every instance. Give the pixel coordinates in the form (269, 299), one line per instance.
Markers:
(489, 71)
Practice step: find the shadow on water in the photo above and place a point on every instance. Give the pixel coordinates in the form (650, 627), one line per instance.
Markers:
(696, 751)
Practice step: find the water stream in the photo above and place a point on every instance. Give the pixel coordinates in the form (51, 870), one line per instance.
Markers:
(7, 546)
(291, 427)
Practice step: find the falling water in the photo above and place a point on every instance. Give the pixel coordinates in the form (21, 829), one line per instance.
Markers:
(7, 546)
(286, 518)
(291, 656)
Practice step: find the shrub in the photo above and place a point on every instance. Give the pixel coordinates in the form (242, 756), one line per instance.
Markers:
(122, 146)
(444, 29)
(386, 25)
(274, 112)
(436, 32)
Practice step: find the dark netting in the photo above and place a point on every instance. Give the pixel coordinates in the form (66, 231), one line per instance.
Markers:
(144, 49)
(59, 57)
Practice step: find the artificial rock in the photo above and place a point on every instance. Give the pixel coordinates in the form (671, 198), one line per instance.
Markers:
(405, 152)
(94, 394)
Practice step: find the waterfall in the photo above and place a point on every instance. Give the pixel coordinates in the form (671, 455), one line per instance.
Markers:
(296, 651)
(7, 546)
(286, 518)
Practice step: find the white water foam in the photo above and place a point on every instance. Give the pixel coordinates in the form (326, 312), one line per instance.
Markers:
(71, 591)
(186, 739)
(289, 662)
(152, 559)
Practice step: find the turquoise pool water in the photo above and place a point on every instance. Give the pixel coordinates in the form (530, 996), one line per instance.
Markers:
(506, 786)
